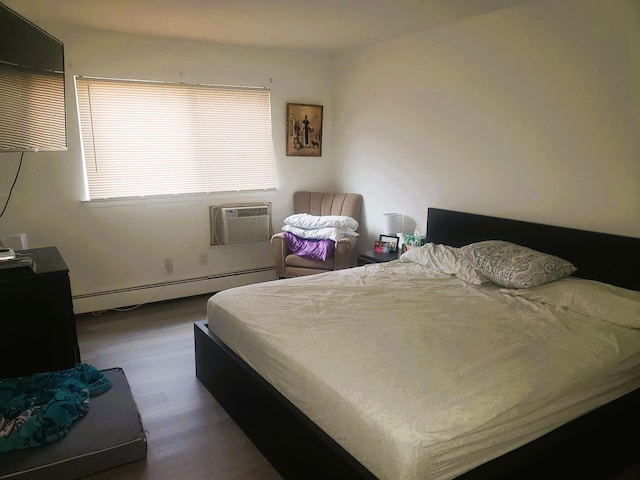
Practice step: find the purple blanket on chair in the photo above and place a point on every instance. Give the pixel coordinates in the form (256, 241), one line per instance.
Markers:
(308, 248)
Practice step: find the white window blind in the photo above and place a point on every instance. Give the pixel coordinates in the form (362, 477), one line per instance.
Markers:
(150, 138)
(32, 110)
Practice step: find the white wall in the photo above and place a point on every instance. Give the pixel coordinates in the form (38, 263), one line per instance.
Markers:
(531, 112)
(122, 245)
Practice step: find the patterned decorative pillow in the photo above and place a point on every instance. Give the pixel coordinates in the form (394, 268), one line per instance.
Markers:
(515, 266)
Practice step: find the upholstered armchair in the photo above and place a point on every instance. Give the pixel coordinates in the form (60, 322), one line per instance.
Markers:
(319, 203)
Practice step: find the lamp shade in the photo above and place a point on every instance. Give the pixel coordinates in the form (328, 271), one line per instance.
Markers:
(392, 223)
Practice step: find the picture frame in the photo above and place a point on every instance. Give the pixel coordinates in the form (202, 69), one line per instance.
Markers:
(392, 240)
(304, 130)
(381, 247)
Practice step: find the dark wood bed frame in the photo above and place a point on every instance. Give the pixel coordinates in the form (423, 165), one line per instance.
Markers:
(597, 445)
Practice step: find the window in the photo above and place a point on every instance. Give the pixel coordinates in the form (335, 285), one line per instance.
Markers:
(144, 138)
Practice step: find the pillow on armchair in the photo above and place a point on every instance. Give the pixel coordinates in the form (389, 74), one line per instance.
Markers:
(308, 221)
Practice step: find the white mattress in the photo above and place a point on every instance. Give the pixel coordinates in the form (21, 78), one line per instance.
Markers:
(419, 375)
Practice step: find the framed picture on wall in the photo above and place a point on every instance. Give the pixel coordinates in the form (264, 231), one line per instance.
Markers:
(304, 130)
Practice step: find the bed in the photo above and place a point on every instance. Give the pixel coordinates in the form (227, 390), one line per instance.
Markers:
(514, 389)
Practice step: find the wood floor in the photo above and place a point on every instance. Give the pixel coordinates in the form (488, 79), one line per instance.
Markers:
(190, 436)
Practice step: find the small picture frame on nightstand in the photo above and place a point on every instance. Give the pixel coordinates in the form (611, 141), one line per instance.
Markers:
(392, 240)
(381, 247)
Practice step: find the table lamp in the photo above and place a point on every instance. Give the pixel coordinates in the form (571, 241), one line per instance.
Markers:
(393, 224)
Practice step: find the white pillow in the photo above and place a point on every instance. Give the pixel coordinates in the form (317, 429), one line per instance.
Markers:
(600, 300)
(469, 274)
(515, 266)
(326, 233)
(444, 259)
(433, 255)
(307, 221)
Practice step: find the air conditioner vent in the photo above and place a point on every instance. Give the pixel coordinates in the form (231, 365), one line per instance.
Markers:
(243, 212)
(240, 223)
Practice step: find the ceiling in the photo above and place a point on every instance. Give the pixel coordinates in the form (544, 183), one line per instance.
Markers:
(327, 25)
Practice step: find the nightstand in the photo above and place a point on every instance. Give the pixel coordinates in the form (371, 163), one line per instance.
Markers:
(370, 256)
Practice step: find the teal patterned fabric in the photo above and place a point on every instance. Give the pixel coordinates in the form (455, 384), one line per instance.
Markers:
(515, 266)
(40, 408)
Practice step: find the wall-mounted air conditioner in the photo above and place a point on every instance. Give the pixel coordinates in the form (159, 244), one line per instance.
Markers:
(236, 224)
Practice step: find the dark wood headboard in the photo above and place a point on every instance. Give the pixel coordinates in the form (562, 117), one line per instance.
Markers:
(613, 259)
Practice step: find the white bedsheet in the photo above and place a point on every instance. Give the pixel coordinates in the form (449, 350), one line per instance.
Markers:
(418, 374)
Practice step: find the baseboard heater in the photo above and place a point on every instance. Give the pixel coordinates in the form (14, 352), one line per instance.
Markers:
(173, 282)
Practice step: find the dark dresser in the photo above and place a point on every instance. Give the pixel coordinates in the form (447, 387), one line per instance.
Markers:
(37, 321)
